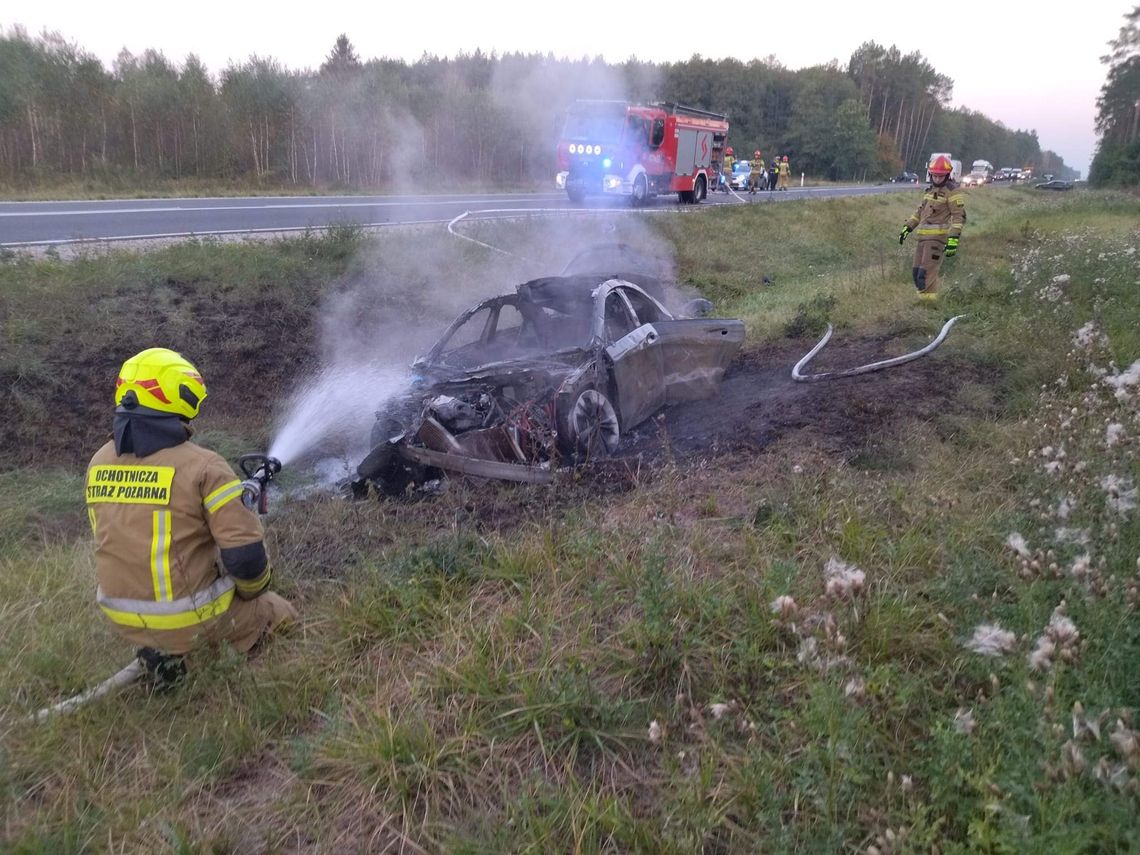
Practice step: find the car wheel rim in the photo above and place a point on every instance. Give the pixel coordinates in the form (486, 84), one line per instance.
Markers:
(595, 422)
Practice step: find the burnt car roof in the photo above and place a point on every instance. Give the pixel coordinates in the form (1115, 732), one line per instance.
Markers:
(564, 292)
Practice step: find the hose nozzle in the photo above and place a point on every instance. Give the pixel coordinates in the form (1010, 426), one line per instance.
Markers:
(259, 469)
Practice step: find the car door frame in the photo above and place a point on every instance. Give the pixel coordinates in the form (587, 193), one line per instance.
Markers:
(634, 363)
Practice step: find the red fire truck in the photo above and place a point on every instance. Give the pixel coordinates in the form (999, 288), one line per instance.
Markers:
(613, 148)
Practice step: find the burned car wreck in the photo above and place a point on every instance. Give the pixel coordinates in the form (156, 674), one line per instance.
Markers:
(554, 373)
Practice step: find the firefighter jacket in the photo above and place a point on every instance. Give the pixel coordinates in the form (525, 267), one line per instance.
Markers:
(728, 161)
(942, 213)
(163, 524)
(758, 165)
(785, 168)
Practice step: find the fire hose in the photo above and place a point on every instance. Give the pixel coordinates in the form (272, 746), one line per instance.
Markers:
(510, 213)
(800, 377)
(130, 674)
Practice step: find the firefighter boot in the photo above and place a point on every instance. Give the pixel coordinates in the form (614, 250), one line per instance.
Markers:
(162, 670)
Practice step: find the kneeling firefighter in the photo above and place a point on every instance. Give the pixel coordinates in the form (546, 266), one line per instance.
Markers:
(180, 560)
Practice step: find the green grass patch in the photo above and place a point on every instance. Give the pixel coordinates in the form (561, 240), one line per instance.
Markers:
(518, 669)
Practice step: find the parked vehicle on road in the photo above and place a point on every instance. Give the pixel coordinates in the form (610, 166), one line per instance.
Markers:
(613, 148)
(741, 172)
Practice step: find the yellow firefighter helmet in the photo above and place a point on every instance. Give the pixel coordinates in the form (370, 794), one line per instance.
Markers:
(160, 379)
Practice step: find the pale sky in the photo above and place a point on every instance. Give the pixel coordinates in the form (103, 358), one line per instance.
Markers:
(1019, 62)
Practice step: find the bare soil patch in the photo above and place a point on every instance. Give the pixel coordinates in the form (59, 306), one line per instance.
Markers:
(759, 402)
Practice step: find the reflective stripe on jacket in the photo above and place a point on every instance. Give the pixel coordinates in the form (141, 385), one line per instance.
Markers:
(942, 213)
(159, 523)
(169, 614)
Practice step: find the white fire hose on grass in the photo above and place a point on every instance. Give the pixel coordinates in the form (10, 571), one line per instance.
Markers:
(130, 674)
(800, 377)
(510, 213)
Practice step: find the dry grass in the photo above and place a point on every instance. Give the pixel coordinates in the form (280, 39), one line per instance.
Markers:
(480, 672)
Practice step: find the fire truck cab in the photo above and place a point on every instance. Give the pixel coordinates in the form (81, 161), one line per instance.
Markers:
(613, 148)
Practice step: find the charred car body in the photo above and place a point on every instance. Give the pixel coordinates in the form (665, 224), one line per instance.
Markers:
(555, 372)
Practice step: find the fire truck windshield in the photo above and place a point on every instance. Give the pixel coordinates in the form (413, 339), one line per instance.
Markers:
(595, 125)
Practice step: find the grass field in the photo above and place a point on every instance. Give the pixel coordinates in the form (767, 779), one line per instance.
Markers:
(927, 644)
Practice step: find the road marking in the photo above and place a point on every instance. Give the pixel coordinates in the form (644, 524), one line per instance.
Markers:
(480, 214)
(180, 209)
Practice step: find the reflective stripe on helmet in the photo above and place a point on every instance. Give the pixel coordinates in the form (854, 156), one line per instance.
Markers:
(221, 496)
(174, 614)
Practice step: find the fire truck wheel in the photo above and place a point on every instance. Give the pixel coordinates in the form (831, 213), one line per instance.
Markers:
(699, 191)
(640, 193)
(576, 196)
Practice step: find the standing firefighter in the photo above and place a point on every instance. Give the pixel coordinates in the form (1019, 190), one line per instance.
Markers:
(756, 176)
(938, 223)
(785, 172)
(726, 178)
(179, 558)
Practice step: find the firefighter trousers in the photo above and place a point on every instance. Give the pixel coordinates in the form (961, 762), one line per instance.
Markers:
(928, 255)
(242, 625)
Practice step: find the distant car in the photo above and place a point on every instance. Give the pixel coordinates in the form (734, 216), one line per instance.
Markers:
(905, 178)
(975, 179)
(1055, 184)
(741, 170)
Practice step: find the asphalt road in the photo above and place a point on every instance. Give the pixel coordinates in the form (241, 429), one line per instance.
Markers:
(59, 223)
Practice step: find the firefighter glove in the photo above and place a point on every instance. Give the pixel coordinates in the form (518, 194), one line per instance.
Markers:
(951, 246)
(902, 235)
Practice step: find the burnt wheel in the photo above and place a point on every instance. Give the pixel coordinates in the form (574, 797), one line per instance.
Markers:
(593, 424)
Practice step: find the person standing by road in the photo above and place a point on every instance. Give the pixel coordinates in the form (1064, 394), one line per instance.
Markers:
(179, 559)
(756, 175)
(938, 224)
(726, 176)
(785, 171)
(773, 172)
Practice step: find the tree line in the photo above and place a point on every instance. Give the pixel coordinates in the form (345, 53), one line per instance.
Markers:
(474, 119)
(1117, 159)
